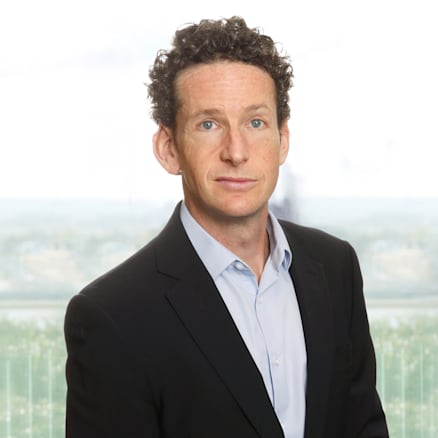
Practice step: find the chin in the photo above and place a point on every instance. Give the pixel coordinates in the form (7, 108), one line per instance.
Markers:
(242, 210)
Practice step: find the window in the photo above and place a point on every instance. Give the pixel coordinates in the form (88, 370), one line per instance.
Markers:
(80, 189)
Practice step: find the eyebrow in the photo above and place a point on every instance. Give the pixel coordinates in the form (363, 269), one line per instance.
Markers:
(254, 108)
(215, 111)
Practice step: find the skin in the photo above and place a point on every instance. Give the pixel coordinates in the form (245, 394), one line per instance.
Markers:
(228, 146)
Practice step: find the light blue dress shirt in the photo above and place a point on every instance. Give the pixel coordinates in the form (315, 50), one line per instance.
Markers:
(266, 314)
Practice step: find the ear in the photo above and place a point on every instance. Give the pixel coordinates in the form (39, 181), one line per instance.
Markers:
(165, 151)
(284, 141)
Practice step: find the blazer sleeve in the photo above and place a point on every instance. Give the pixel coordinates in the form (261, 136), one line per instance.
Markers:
(364, 416)
(106, 392)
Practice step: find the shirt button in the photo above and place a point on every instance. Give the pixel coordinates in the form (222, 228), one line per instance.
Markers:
(276, 362)
(239, 266)
(259, 300)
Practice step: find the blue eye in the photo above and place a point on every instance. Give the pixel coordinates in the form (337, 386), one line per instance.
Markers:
(256, 123)
(208, 124)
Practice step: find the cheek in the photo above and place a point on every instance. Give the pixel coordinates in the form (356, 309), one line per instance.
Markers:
(271, 156)
(196, 167)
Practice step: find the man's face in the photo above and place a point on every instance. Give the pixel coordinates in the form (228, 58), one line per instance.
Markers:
(227, 141)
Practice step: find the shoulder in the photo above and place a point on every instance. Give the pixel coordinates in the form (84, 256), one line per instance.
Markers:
(313, 241)
(335, 255)
(120, 286)
(140, 269)
(127, 299)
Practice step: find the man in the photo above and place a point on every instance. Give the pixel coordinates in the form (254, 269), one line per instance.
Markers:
(228, 323)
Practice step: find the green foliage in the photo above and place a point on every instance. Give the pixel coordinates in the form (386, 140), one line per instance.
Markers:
(407, 378)
(32, 382)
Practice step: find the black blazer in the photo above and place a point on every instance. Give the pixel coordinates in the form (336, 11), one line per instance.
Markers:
(153, 351)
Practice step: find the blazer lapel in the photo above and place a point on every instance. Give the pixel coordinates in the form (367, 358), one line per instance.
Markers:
(315, 307)
(199, 305)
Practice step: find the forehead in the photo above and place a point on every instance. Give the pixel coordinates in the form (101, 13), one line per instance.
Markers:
(224, 81)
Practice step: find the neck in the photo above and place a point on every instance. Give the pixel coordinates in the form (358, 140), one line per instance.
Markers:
(246, 237)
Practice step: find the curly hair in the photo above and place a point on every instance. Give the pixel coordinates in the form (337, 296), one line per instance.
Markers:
(210, 41)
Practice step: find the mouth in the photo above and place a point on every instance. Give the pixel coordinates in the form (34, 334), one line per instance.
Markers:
(233, 183)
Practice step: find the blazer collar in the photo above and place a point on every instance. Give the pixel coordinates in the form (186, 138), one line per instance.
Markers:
(198, 304)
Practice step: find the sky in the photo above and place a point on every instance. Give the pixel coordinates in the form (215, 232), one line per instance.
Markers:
(74, 114)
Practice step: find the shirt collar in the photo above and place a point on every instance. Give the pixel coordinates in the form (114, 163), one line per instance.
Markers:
(281, 254)
(217, 258)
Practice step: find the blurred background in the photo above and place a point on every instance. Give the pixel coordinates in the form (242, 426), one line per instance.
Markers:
(80, 189)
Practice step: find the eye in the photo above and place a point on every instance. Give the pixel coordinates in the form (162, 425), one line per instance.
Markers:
(207, 125)
(257, 123)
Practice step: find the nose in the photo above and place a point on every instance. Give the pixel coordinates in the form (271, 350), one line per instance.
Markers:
(235, 148)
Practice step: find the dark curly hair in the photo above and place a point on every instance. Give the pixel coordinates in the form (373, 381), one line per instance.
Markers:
(210, 41)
